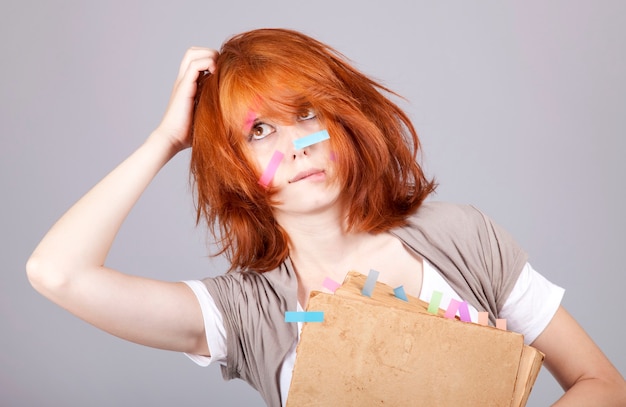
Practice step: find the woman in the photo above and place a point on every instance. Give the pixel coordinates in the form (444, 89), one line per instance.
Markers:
(289, 215)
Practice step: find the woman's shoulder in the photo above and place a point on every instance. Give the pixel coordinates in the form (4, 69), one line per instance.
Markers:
(280, 282)
(448, 217)
(446, 209)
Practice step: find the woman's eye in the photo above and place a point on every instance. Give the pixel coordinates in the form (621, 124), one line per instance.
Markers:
(307, 115)
(260, 130)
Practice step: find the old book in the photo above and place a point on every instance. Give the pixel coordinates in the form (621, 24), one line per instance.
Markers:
(380, 350)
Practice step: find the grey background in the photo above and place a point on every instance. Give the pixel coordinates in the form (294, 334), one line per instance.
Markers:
(520, 107)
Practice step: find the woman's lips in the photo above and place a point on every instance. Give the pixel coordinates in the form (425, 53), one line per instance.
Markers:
(305, 174)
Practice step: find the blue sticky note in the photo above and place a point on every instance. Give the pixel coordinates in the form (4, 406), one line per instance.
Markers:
(304, 316)
(311, 139)
(368, 288)
(399, 292)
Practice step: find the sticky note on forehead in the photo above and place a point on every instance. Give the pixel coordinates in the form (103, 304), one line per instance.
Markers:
(271, 168)
(311, 139)
(249, 121)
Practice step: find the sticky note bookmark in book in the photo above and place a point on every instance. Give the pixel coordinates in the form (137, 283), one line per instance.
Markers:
(331, 284)
(370, 283)
(464, 313)
(435, 300)
(399, 293)
(453, 307)
(501, 323)
(304, 316)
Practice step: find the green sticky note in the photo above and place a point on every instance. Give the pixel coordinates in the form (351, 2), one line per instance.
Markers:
(435, 300)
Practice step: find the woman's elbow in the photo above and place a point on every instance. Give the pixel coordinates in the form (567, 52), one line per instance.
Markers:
(44, 276)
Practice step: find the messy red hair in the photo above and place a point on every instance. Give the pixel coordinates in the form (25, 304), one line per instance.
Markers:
(278, 72)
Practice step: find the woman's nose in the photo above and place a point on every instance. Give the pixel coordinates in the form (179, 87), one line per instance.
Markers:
(293, 149)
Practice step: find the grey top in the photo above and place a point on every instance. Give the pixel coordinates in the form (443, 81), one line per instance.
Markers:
(478, 258)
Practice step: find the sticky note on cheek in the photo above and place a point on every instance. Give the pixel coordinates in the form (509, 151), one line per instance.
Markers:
(311, 139)
(271, 168)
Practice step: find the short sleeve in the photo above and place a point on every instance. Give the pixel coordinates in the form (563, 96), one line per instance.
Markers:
(213, 326)
(531, 304)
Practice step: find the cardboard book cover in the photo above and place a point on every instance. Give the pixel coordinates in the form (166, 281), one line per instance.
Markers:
(381, 350)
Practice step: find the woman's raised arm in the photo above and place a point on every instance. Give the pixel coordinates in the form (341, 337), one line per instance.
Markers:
(68, 265)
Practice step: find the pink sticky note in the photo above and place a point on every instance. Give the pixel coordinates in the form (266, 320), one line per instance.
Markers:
(247, 125)
(331, 284)
(483, 318)
(464, 312)
(269, 172)
(452, 309)
(501, 324)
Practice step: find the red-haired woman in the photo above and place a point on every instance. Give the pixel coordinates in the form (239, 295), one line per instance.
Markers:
(288, 214)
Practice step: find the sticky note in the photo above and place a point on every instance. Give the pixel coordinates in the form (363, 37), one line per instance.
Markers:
(311, 139)
(368, 288)
(247, 125)
(435, 300)
(304, 316)
(331, 284)
(501, 324)
(399, 292)
(453, 307)
(483, 318)
(464, 312)
(269, 172)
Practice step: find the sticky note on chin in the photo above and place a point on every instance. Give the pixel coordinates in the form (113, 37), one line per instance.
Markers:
(271, 168)
(311, 139)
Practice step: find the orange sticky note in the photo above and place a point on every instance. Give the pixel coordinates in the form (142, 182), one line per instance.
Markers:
(501, 324)
(483, 318)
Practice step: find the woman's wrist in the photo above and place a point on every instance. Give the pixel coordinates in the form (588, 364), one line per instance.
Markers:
(165, 143)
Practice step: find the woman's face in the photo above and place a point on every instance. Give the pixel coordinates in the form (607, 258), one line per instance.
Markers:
(304, 176)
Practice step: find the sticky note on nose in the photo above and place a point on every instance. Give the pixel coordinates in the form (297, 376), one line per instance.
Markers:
(311, 139)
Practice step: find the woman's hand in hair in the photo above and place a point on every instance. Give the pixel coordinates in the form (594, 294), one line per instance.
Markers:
(176, 122)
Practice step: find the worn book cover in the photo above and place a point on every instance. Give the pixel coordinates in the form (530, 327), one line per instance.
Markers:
(383, 351)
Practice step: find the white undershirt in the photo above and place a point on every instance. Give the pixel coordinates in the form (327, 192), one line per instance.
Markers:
(528, 310)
